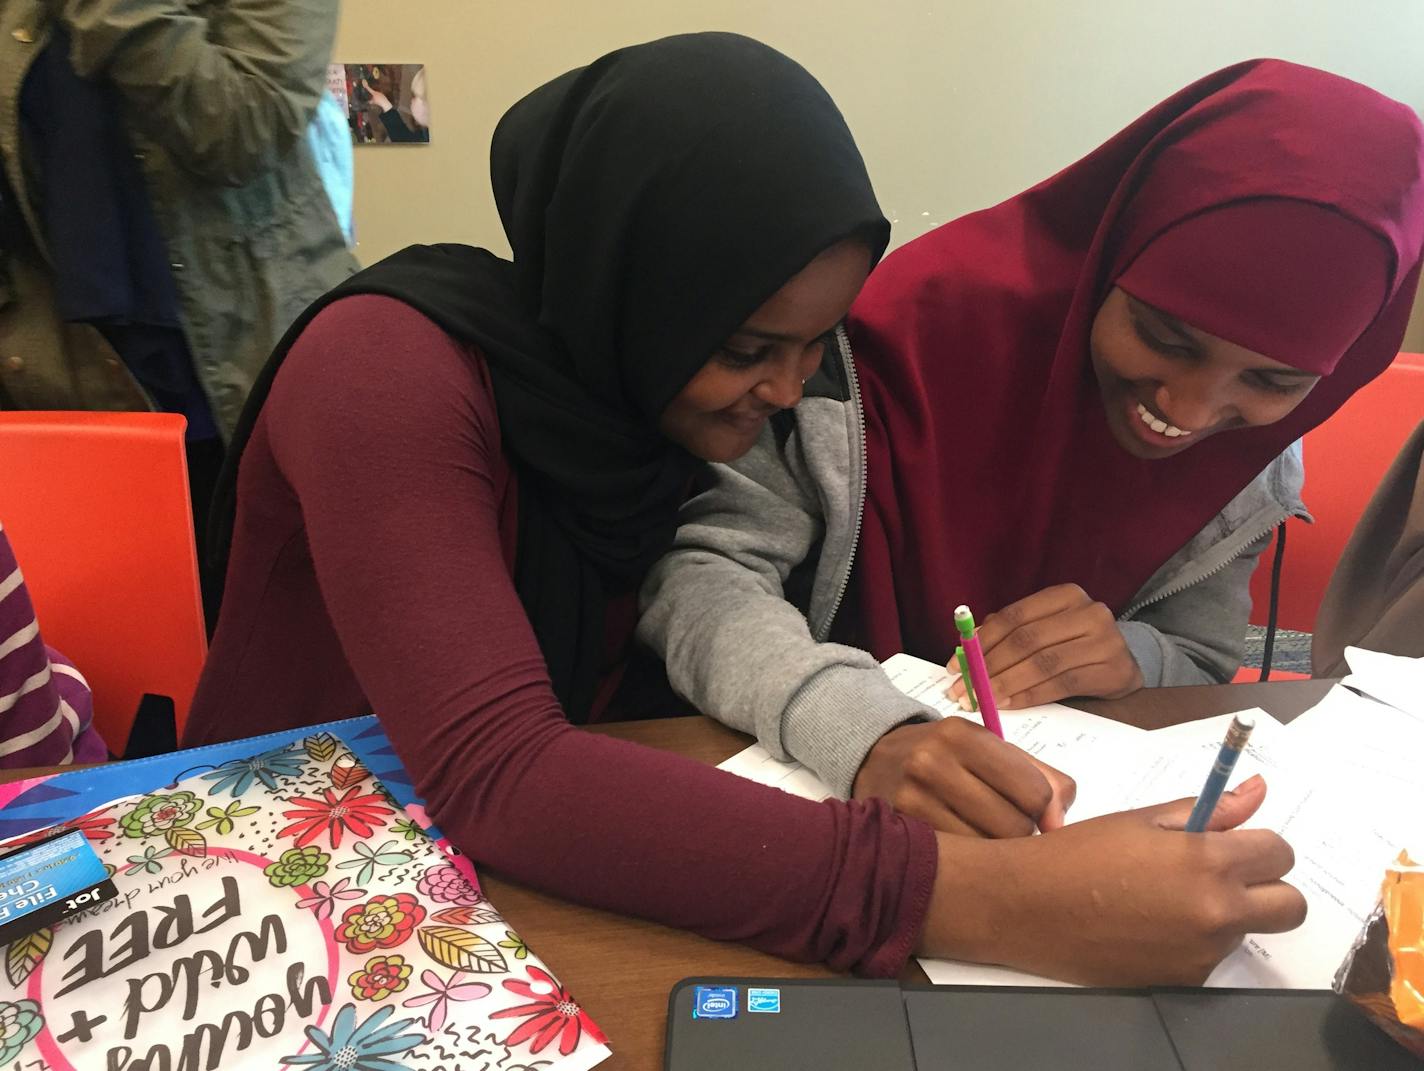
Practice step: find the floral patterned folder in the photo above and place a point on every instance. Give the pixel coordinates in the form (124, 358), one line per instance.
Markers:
(282, 912)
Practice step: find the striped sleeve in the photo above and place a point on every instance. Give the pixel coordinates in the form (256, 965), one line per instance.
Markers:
(44, 708)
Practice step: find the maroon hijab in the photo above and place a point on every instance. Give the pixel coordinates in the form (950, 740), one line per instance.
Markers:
(992, 471)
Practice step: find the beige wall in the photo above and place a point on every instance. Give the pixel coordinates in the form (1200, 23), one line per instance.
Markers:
(956, 103)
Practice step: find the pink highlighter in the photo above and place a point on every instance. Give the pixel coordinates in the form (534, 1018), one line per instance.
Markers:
(978, 672)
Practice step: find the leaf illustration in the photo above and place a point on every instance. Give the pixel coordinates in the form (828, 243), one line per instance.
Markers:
(461, 950)
(346, 774)
(467, 916)
(321, 747)
(186, 841)
(25, 953)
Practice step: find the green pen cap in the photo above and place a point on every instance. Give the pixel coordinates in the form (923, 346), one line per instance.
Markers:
(964, 621)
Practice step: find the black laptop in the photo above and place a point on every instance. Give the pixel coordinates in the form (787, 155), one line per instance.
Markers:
(742, 1024)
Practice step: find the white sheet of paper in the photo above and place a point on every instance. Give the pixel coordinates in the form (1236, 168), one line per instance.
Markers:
(1053, 733)
(1367, 741)
(1392, 679)
(756, 764)
(1342, 839)
(1324, 798)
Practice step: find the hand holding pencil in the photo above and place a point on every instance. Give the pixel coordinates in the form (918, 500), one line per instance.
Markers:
(1052, 645)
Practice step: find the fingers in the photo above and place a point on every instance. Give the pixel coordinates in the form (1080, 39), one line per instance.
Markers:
(1011, 772)
(1040, 604)
(990, 785)
(1273, 907)
(956, 689)
(973, 789)
(1073, 646)
(1055, 633)
(1082, 667)
(1238, 805)
(929, 809)
(1259, 855)
(1029, 639)
(990, 813)
(1065, 791)
(1234, 807)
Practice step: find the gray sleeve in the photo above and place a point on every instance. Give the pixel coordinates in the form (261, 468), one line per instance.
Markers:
(715, 609)
(1197, 636)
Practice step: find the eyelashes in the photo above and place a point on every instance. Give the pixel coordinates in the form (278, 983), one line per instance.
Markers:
(741, 360)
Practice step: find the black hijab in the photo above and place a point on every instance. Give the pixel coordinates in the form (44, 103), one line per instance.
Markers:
(653, 200)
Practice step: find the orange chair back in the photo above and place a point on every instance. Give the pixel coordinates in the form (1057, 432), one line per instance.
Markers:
(1345, 460)
(96, 506)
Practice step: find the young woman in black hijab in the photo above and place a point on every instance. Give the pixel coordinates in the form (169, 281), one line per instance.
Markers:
(456, 469)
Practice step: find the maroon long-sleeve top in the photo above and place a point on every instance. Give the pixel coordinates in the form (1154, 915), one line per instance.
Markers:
(370, 572)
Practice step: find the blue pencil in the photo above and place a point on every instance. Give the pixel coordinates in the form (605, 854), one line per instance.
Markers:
(1231, 748)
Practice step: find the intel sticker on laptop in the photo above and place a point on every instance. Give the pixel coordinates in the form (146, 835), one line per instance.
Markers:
(714, 1002)
(764, 1000)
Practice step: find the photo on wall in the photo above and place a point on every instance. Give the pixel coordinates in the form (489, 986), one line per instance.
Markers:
(385, 103)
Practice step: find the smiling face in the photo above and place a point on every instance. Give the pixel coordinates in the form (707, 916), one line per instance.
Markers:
(718, 415)
(1167, 385)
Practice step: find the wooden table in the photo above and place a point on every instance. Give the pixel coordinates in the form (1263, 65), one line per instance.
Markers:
(622, 969)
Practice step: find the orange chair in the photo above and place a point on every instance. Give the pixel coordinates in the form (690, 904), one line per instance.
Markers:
(96, 506)
(1345, 459)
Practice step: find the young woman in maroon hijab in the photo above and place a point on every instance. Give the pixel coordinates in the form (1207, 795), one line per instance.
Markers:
(1078, 410)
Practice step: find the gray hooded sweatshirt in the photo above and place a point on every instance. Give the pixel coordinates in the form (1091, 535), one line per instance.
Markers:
(741, 607)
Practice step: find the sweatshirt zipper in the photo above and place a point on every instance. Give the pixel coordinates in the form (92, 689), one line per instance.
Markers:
(843, 343)
(1138, 607)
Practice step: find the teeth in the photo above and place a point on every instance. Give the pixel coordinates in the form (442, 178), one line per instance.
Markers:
(1161, 427)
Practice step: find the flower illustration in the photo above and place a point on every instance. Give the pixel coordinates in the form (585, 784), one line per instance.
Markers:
(353, 1047)
(515, 944)
(94, 826)
(382, 976)
(322, 902)
(20, 1023)
(159, 813)
(221, 818)
(333, 815)
(440, 994)
(372, 858)
(550, 1014)
(297, 866)
(446, 885)
(148, 861)
(407, 829)
(381, 922)
(239, 774)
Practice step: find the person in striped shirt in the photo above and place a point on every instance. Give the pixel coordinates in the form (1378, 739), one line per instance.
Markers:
(46, 709)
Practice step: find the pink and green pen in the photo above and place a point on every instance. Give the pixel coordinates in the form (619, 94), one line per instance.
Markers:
(978, 672)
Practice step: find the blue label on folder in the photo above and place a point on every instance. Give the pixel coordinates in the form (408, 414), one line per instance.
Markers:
(44, 882)
(714, 1002)
(764, 1000)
